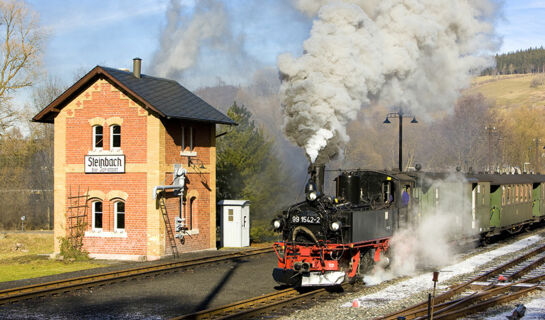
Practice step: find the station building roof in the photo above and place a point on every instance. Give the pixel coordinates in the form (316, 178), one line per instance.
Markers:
(165, 97)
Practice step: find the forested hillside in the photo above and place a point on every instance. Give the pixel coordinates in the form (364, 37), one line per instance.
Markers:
(521, 61)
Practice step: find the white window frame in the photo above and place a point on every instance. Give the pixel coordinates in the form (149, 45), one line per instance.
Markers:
(112, 137)
(95, 138)
(94, 215)
(116, 229)
(192, 203)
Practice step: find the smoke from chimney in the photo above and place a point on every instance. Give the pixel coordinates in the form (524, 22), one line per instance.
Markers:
(415, 55)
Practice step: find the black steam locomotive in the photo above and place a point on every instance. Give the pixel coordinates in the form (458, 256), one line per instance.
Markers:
(329, 240)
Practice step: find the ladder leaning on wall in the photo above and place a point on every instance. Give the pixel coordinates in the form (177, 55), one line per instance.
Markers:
(77, 217)
(168, 227)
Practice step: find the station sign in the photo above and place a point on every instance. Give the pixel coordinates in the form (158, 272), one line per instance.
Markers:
(105, 164)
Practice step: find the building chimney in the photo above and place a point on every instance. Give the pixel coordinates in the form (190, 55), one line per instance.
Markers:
(136, 67)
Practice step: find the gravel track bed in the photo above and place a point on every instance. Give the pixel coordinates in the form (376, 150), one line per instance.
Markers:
(376, 305)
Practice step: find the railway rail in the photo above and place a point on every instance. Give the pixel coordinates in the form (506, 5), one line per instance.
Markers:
(67, 285)
(265, 304)
(523, 276)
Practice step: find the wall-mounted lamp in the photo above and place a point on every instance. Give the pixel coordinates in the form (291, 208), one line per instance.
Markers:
(195, 162)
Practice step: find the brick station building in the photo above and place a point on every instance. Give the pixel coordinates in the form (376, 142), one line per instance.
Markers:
(120, 138)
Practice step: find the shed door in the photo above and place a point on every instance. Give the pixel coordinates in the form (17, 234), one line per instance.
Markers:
(232, 226)
(245, 226)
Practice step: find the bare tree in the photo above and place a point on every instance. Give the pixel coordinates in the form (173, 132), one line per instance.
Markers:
(21, 46)
(40, 167)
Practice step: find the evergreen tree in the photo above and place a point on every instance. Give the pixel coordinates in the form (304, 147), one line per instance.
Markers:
(247, 168)
(531, 60)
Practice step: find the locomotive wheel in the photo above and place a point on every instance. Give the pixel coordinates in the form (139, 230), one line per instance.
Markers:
(515, 230)
(366, 263)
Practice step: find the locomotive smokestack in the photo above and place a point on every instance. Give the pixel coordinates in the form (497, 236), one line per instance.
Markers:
(316, 172)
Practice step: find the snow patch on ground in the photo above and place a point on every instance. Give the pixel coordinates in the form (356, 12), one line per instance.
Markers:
(405, 289)
(535, 310)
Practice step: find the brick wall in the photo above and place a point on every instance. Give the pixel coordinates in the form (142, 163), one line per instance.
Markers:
(196, 212)
(103, 104)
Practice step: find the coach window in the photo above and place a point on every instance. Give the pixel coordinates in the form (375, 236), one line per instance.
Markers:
(97, 215)
(115, 137)
(508, 199)
(119, 216)
(98, 136)
(503, 195)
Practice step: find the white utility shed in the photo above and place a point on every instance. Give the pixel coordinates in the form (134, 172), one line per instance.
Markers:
(235, 223)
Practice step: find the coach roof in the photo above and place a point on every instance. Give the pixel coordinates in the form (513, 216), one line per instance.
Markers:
(165, 97)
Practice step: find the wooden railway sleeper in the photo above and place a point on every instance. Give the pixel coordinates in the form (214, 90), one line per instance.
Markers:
(526, 269)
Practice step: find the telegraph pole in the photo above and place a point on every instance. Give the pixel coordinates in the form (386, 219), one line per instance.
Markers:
(491, 129)
(537, 141)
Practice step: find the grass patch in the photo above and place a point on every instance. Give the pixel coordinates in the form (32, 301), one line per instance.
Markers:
(38, 266)
(510, 90)
(21, 257)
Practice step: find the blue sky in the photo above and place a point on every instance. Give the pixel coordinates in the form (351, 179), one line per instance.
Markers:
(522, 25)
(85, 33)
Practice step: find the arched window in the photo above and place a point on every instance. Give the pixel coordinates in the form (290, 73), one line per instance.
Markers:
(115, 137)
(119, 216)
(98, 136)
(97, 215)
(192, 222)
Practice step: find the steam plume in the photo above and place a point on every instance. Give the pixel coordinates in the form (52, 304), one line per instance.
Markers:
(430, 240)
(416, 55)
(199, 42)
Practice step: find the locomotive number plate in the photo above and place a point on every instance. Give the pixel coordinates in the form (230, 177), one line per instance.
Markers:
(305, 219)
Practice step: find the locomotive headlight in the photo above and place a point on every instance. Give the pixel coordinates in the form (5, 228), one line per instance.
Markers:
(277, 224)
(312, 195)
(335, 226)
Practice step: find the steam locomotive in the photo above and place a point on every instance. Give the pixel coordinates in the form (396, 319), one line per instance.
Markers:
(329, 240)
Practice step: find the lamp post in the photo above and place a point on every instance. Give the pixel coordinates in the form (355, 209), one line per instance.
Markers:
(400, 115)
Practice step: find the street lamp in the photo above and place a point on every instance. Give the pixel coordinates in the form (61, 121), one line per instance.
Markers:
(400, 115)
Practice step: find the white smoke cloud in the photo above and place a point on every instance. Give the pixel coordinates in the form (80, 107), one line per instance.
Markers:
(199, 41)
(411, 54)
(180, 43)
(429, 242)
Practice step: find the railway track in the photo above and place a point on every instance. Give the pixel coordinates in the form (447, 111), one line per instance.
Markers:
(522, 275)
(67, 285)
(254, 307)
